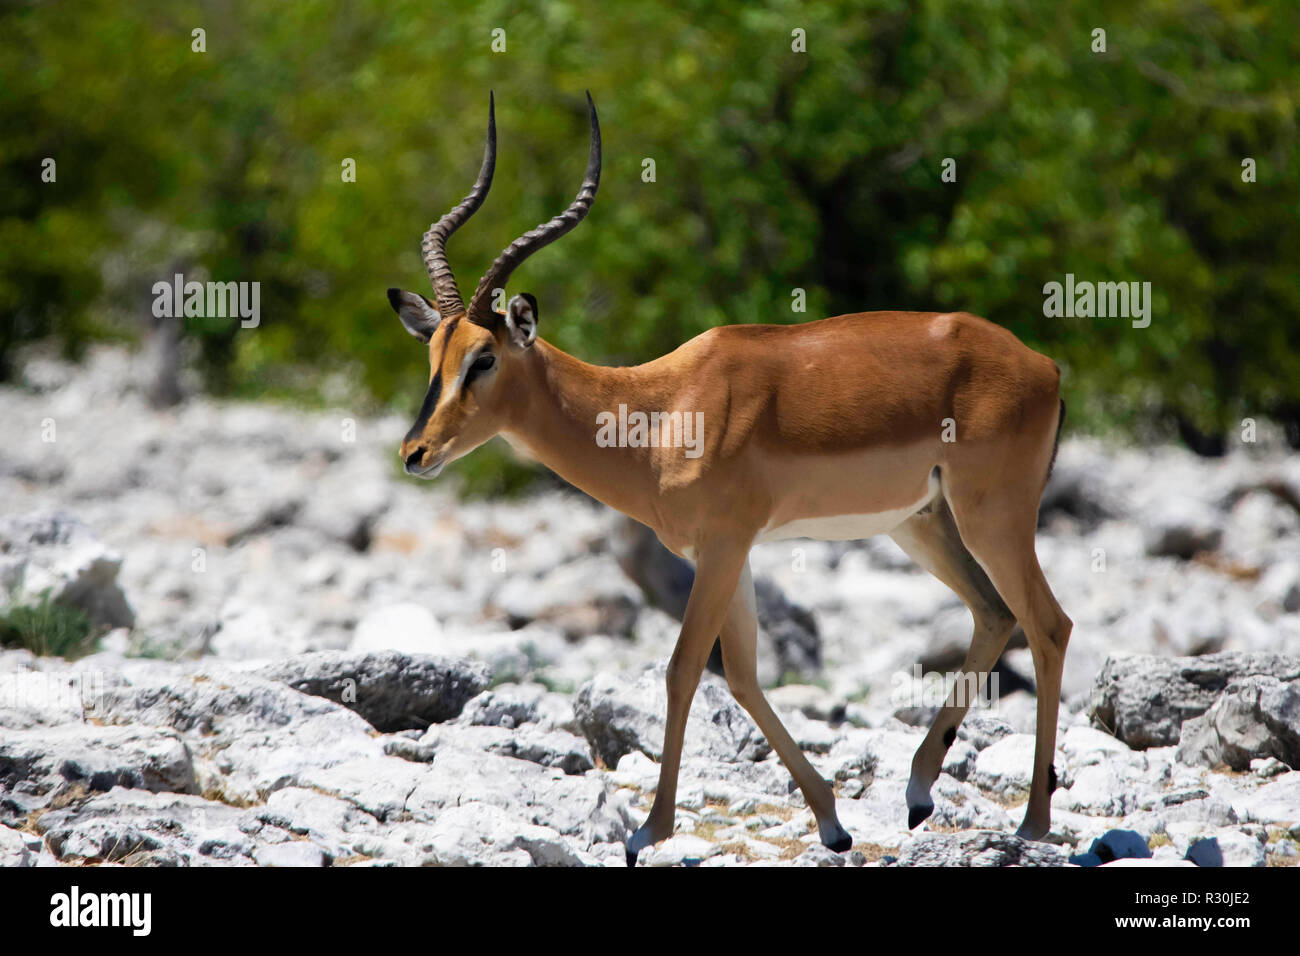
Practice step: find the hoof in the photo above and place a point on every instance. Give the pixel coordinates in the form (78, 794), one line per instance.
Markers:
(1032, 831)
(835, 837)
(916, 815)
(637, 842)
(842, 844)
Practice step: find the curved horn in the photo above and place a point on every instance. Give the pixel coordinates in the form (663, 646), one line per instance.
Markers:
(435, 240)
(523, 247)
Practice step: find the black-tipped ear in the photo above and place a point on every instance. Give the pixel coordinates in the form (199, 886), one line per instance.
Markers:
(417, 313)
(521, 319)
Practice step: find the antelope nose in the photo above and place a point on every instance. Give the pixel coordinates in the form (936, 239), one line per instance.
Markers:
(413, 460)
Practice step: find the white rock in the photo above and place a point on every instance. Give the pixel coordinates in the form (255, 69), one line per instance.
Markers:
(676, 850)
(1007, 766)
(251, 633)
(618, 714)
(1267, 767)
(819, 855)
(1087, 745)
(574, 806)
(1276, 802)
(479, 834)
(810, 700)
(635, 769)
(378, 785)
(57, 552)
(1279, 587)
(407, 627)
(1179, 525)
(13, 849)
(293, 853)
(762, 850)
(1101, 789)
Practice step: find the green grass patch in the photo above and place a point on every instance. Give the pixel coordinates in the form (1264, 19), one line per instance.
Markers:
(47, 629)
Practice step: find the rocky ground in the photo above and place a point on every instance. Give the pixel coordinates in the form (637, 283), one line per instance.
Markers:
(311, 660)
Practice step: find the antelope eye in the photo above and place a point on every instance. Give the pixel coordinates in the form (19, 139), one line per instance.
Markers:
(481, 364)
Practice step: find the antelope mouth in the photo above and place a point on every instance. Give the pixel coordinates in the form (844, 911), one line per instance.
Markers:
(431, 471)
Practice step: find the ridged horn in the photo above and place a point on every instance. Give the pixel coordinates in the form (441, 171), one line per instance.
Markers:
(480, 306)
(434, 244)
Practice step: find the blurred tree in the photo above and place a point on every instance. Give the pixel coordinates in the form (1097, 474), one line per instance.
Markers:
(773, 170)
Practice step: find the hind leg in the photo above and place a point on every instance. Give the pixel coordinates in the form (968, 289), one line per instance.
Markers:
(997, 522)
(931, 540)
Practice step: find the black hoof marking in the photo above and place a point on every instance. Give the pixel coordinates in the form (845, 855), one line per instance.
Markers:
(1051, 778)
(915, 815)
(949, 736)
(842, 845)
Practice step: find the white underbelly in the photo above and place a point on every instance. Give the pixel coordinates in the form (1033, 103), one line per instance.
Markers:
(849, 527)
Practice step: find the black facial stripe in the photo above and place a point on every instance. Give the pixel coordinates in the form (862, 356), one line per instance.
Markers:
(435, 386)
(426, 410)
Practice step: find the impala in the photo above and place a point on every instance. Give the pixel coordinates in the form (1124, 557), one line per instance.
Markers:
(936, 429)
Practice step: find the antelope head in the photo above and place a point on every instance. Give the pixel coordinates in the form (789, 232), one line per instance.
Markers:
(475, 353)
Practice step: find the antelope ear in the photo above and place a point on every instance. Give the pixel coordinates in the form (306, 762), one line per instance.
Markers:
(521, 319)
(417, 313)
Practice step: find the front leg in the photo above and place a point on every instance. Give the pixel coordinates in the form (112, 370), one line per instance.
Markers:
(740, 662)
(717, 571)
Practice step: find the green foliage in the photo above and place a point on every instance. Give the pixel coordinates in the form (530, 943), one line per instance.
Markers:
(47, 628)
(775, 170)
